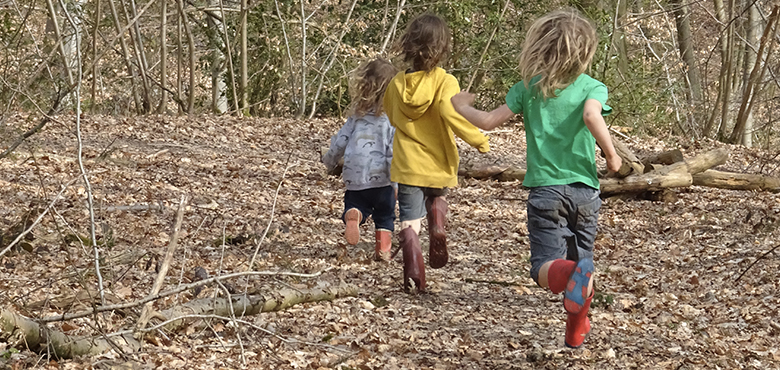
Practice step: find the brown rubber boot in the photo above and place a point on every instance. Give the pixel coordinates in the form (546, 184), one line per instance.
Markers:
(414, 265)
(352, 218)
(382, 247)
(437, 220)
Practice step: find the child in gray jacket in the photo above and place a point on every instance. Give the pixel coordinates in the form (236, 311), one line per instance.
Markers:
(366, 143)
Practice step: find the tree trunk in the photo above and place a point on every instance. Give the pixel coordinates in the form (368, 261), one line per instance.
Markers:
(179, 56)
(223, 100)
(60, 41)
(685, 40)
(255, 302)
(302, 108)
(751, 91)
(161, 109)
(191, 58)
(93, 92)
(723, 41)
(140, 55)
(244, 59)
(125, 55)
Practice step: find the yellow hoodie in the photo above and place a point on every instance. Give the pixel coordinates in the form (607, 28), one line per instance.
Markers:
(424, 150)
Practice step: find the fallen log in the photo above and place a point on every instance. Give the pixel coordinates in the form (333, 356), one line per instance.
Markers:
(651, 181)
(23, 332)
(699, 163)
(665, 158)
(252, 304)
(631, 163)
(736, 181)
(673, 176)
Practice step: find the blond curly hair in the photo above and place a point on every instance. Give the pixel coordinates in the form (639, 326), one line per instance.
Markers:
(367, 86)
(558, 47)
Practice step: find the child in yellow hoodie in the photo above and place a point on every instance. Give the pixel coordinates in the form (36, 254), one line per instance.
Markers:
(425, 156)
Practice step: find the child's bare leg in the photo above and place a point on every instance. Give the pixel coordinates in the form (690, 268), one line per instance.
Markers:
(564, 271)
(414, 224)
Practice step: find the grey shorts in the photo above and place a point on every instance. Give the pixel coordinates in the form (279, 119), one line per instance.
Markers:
(411, 201)
(562, 223)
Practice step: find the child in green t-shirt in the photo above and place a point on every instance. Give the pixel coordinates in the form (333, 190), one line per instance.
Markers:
(563, 111)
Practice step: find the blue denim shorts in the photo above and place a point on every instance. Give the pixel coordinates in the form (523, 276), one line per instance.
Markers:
(411, 201)
(562, 223)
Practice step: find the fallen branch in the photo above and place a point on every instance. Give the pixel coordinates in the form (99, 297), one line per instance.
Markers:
(20, 331)
(171, 292)
(255, 303)
(158, 282)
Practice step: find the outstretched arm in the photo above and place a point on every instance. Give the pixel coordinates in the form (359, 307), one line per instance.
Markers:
(598, 128)
(463, 103)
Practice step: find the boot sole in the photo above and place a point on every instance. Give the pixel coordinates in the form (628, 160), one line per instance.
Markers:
(576, 291)
(352, 233)
(439, 256)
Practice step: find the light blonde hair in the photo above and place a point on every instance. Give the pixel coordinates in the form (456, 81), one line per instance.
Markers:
(558, 47)
(367, 86)
(426, 42)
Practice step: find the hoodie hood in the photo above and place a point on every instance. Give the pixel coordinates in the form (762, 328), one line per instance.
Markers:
(416, 91)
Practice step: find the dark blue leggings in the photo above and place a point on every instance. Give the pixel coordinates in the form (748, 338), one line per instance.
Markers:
(376, 202)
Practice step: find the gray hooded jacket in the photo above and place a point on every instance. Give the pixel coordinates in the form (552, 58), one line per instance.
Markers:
(366, 143)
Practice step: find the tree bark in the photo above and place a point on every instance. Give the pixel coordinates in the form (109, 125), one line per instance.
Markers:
(244, 60)
(125, 55)
(751, 91)
(736, 181)
(161, 109)
(20, 331)
(93, 92)
(685, 41)
(666, 158)
(138, 51)
(191, 57)
(255, 303)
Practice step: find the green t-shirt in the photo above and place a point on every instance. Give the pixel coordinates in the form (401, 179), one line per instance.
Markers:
(560, 148)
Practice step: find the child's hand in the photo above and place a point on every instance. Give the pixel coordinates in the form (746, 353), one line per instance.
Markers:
(462, 98)
(614, 162)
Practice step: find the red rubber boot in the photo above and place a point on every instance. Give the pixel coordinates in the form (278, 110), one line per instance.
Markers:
(578, 325)
(382, 246)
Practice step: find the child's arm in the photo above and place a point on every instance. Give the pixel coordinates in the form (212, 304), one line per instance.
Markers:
(456, 122)
(338, 144)
(598, 128)
(463, 103)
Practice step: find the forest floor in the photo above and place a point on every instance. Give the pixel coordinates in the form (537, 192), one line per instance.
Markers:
(671, 293)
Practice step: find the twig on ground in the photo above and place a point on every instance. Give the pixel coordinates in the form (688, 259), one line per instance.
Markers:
(145, 314)
(273, 209)
(756, 261)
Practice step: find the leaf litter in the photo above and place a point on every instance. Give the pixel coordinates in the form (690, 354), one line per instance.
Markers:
(667, 290)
